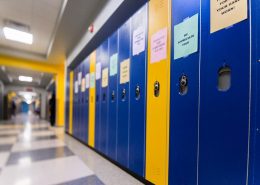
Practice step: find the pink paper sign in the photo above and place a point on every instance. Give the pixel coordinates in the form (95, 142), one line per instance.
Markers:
(159, 45)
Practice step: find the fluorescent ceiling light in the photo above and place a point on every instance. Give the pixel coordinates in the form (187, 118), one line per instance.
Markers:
(25, 78)
(19, 36)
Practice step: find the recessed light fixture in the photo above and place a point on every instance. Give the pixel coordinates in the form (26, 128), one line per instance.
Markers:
(17, 35)
(25, 78)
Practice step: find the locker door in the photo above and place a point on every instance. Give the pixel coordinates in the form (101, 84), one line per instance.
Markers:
(98, 100)
(75, 113)
(86, 101)
(254, 175)
(224, 105)
(184, 94)
(123, 93)
(112, 123)
(138, 91)
(82, 92)
(79, 101)
(71, 102)
(157, 126)
(104, 97)
(67, 100)
(92, 97)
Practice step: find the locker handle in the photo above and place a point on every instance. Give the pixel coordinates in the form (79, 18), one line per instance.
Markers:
(156, 89)
(104, 97)
(183, 84)
(97, 98)
(123, 94)
(137, 92)
(113, 96)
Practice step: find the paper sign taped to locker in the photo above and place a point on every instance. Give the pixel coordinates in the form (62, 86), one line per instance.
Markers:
(159, 46)
(105, 77)
(124, 71)
(138, 40)
(92, 80)
(87, 80)
(225, 13)
(79, 78)
(76, 86)
(113, 64)
(98, 71)
(83, 85)
(186, 37)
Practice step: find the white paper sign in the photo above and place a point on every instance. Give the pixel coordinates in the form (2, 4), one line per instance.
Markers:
(76, 87)
(98, 71)
(138, 40)
(159, 46)
(92, 80)
(224, 13)
(79, 78)
(87, 80)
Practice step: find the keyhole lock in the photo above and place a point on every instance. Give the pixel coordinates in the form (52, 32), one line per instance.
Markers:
(113, 96)
(104, 97)
(183, 84)
(123, 94)
(156, 89)
(137, 92)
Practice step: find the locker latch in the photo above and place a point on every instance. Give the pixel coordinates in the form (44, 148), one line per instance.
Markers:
(113, 96)
(123, 94)
(156, 88)
(183, 84)
(104, 97)
(137, 92)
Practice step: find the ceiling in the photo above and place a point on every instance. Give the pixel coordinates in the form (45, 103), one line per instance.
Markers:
(10, 75)
(57, 26)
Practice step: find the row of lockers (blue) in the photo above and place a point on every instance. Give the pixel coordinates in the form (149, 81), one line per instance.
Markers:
(214, 109)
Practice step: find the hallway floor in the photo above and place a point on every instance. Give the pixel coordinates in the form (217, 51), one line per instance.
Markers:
(33, 153)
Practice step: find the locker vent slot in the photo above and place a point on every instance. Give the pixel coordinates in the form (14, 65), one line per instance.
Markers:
(224, 78)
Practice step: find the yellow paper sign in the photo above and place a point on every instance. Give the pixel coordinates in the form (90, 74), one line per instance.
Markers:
(124, 71)
(83, 85)
(105, 77)
(224, 13)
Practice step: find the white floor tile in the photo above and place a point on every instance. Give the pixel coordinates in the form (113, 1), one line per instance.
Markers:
(3, 158)
(46, 172)
(8, 140)
(34, 145)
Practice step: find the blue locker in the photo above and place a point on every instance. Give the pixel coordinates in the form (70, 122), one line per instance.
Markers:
(98, 99)
(137, 117)
(254, 173)
(123, 93)
(86, 101)
(81, 123)
(224, 111)
(112, 124)
(104, 97)
(67, 100)
(75, 109)
(184, 102)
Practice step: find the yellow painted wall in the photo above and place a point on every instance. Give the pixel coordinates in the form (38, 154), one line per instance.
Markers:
(92, 101)
(57, 70)
(157, 129)
(71, 102)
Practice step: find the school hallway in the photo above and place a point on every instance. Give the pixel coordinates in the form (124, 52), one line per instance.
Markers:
(32, 152)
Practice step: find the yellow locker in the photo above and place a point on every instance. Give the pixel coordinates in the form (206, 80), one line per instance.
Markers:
(71, 102)
(158, 92)
(92, 100)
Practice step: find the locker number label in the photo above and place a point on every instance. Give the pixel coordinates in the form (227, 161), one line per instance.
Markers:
(225, 13)
(124, 71)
